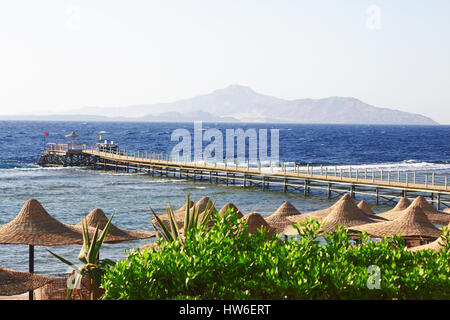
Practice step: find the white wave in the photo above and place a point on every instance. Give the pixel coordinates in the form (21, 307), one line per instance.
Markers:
(406, 165)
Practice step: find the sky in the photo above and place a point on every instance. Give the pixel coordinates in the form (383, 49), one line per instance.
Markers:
(58, 55)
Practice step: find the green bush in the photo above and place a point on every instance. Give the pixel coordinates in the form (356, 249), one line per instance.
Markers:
(228, 263)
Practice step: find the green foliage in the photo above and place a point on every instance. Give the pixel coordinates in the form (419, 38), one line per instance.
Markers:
(228, 263)
(193, 220)
(93, 266)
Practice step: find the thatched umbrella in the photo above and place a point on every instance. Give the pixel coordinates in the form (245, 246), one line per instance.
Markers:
(321, 214)
(255, 221)
(98, 217)
(317, 214)
(412, 224)
(179, 216)
(392, 214)
(279, 219)
(149, 246)
(72, 135)
(437, 245)
(14, 282)
(364, 206)
(434, 215)
(180, 213)
(35, 227)
(231, 206)
(182, 209)
(344, 213)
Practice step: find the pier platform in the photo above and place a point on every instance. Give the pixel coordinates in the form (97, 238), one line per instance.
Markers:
(385, 187)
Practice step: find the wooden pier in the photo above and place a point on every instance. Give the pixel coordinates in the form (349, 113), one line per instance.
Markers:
(385, 187)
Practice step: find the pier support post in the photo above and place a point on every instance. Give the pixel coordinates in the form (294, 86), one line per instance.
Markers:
(329, 191)
(377, 196)
(352, 191)
(30, 267)
(285, 185)
(438, 203)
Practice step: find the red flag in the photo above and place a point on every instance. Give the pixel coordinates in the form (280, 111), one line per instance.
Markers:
(46, 134)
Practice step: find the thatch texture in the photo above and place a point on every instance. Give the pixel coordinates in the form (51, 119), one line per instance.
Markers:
(231, 206)
(437, 245)
(57, 289)
(14, 282)
(98, 217)
(34, 226)
(179, 214)
(255, 221)
(149, 246)
(364, 206)
(344, 213)
(318, 214)
(392, 214)
(434, 215)
(411, 223)
(279, 219)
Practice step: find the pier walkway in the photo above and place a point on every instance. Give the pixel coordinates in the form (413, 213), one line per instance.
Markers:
(385, 186)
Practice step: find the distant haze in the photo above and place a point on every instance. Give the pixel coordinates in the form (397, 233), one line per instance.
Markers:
(239, 103)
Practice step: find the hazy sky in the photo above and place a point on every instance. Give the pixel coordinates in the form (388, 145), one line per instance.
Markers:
(59, 55)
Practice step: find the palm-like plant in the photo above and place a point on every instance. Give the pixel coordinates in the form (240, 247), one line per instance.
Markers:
(193, 220)
(93, 267)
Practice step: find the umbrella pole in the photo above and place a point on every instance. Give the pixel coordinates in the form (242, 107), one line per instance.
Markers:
(30, 267)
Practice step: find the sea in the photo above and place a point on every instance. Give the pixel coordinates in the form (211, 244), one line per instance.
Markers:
(69, 193)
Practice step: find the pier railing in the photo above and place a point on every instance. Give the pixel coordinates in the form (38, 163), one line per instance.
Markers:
(64, 147)
(395, 178)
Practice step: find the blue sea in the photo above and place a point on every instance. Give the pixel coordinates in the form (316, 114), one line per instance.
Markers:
(69, 193)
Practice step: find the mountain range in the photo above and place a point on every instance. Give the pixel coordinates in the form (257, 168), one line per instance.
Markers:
(238, 103)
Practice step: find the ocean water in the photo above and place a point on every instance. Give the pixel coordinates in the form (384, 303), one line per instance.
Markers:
(68, 193)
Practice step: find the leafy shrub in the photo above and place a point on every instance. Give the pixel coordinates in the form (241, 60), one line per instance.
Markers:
(228, 263)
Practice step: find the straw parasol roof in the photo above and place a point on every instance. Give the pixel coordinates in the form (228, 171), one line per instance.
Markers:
(72, 135)
(149, 246)
(364, 206)
(34, 226)
(255, 221)
(279, 219)
(411, 223)
(434, 215)
(14, 282)
(182, 209)
(98, 217)
(436, 245)
(392, 214)
(179, 216)
(344, 213)
(231, 206)
(181, 212)
(203, 203)
(318, 214)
